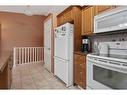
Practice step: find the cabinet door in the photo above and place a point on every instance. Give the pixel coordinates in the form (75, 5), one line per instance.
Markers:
(4, 78)
(67, 16)
(60, 20)
(10, 64)
(79, 70)
(100, 9)
(87, 21)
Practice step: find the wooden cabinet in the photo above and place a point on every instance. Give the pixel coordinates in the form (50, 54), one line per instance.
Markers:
(4, 78)
(66, 16)
(100, 9)
(6, 75)
(60, 20)
(10, 65)
(73, 15)
(87, 21)
(80, 70)
(88, 14)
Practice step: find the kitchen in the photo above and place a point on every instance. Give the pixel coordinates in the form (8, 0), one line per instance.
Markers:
(78, 43)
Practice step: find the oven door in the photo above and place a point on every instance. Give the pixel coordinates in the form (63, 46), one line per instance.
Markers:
(101, 76)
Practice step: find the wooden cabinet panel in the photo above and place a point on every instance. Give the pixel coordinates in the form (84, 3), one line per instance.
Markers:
(66, 16)
(60, 20)
(4, 78)
(80, 70)
(87, 21)
(10, 65)
(6, 75)
(100, 9)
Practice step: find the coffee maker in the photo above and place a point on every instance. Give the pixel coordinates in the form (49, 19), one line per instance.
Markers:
(85, 44)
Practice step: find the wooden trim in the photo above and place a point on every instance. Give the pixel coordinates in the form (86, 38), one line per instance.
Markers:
(52, 45)
(86, 7)
(48, 17)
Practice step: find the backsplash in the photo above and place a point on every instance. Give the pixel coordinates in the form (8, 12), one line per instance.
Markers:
(111, 37)
(108, 38)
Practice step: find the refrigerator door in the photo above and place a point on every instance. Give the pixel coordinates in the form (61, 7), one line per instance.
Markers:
(61, 69)
(61, 43)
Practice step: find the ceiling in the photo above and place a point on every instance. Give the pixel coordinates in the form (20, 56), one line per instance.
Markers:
(33, 10)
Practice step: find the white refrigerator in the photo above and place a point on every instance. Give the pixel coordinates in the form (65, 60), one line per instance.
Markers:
(63, 53)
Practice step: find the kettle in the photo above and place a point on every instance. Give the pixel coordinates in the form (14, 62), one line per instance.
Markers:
(103, 49)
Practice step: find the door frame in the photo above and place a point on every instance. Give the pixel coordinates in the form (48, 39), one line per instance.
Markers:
(50, 16)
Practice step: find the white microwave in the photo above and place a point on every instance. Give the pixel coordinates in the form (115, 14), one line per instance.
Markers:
(113, 20)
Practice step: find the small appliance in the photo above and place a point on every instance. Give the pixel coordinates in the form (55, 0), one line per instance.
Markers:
(85, 44)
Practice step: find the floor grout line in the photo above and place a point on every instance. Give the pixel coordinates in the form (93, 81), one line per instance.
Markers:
(36, 72)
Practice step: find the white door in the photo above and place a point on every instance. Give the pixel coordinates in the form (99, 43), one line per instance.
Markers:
(47, 43)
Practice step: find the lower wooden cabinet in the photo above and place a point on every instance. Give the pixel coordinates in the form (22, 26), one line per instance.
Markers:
(6, 75)
(4, 78)
(10, 65)
(80, 70)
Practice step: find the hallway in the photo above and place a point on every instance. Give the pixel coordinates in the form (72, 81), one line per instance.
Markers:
(35, 76)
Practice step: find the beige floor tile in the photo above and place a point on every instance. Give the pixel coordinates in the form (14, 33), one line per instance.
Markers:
(28, 86)
(35, 76)
(16, 85)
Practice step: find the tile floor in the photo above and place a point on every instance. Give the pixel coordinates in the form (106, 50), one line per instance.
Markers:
(35, 76)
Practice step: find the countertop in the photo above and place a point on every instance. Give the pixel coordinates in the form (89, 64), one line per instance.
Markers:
(80, 53)
(4, 56)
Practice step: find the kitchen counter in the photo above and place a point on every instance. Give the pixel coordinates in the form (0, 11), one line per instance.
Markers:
(4, 56)
(80, 53)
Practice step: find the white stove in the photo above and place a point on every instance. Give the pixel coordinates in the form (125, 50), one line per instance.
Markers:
(108, 72)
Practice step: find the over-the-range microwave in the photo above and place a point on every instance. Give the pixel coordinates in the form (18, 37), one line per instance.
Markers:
(113, 20)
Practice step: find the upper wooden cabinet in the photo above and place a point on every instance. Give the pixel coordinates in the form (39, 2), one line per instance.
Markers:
(88, 14)
(87, 21)
(100, 9)
(65, 16)
(73, 15)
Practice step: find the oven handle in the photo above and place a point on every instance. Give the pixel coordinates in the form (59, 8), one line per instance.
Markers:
(110, 66)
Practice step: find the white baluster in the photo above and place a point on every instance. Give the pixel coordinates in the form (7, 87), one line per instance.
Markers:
(28, 55)
(35, 54)
(20, 55)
